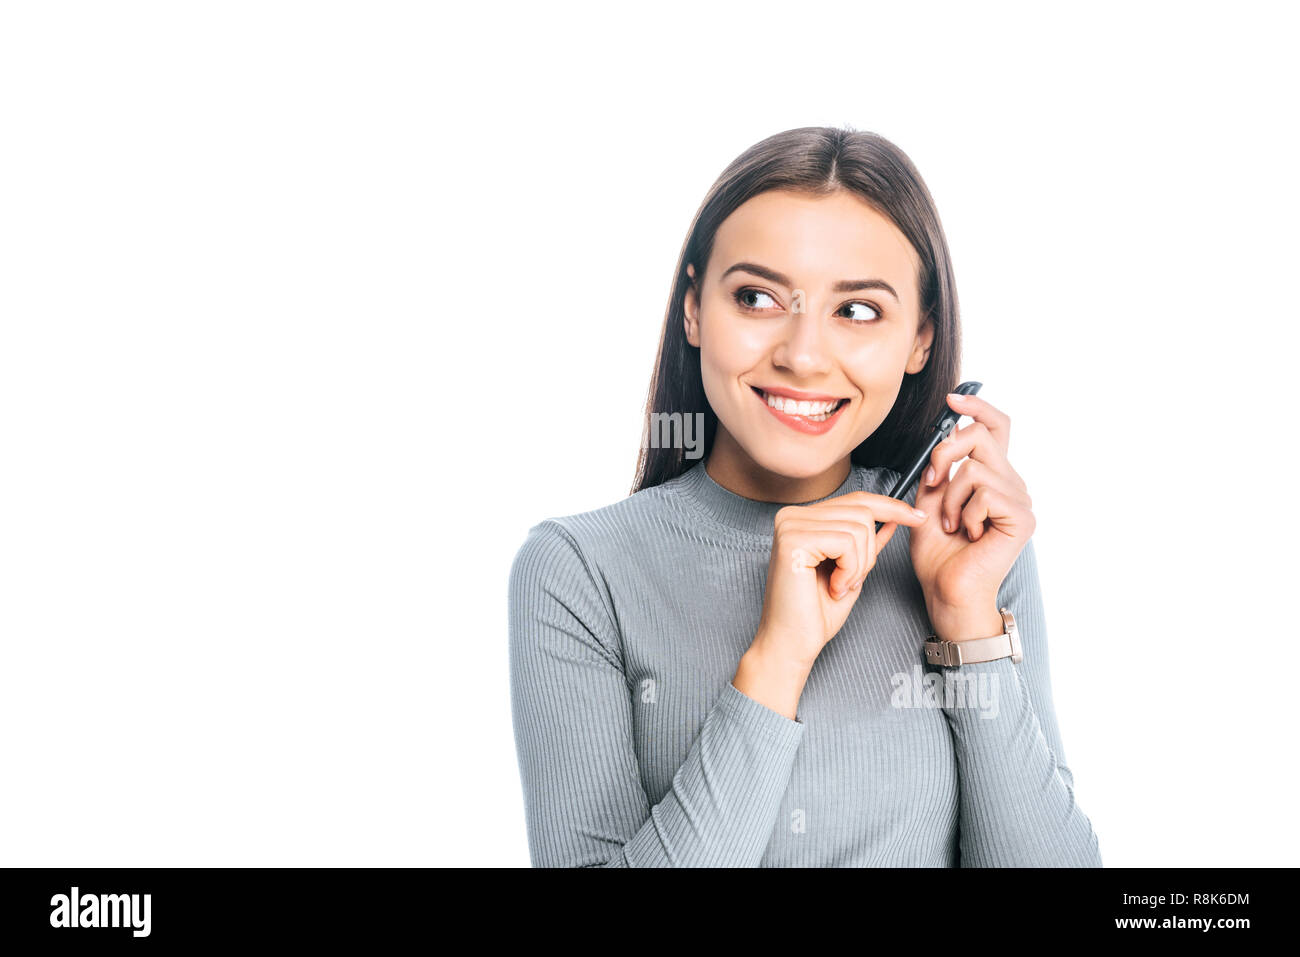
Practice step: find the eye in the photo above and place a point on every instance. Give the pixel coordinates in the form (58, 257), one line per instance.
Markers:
(743, 296)
(865, 320)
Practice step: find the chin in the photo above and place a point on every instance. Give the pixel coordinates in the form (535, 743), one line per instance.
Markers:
(796, 464)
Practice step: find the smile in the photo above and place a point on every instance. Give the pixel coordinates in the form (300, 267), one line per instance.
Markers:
(811, 416)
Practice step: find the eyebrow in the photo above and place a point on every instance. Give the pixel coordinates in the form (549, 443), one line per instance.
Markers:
(843, 285)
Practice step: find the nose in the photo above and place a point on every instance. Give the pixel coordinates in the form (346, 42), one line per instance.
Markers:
(803, 348)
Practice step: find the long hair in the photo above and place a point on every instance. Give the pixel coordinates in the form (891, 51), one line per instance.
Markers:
(817, 160)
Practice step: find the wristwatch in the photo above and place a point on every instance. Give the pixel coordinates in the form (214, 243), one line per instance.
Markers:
(952, 653)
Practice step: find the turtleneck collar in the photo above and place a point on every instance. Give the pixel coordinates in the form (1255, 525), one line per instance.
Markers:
(744, 514)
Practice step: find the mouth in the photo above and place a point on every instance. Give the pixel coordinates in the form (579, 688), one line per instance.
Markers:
(806, 415)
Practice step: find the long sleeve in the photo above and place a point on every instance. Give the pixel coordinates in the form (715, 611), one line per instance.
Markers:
(571, 704)
(1017, 806)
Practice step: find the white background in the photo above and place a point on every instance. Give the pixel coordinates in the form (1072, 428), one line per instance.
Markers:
(304, 305)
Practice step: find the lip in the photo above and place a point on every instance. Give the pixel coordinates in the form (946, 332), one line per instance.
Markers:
(796, 394)
(797, 422)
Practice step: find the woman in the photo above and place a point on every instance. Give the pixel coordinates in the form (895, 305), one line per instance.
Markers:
(677, 697)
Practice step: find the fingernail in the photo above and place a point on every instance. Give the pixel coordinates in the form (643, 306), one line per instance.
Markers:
(947, 524)
(956, 395)
(929, 475)
(919, 513)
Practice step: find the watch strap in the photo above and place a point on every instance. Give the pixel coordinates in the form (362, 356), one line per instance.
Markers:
(974, 650)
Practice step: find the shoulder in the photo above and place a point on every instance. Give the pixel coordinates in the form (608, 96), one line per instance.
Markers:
(565, 569)
(614, 521)
(608, 523)
(583, 539)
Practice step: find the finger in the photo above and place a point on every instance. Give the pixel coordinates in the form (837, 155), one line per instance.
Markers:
(974, 514)
(929, 497)
(849, 514)
(858, 519)
(883, 507)
(812, 543)
(974, 440)
(882, 538)
(865, 522)
(846, 576)
(970, 477)
(1006, 514)
(875, 542)
(990, 416)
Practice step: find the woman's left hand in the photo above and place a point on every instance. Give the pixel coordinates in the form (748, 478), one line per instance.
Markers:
(988, 506)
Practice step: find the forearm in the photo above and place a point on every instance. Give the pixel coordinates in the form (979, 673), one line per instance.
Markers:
(1017, 806)
(771, 678)
(586, 806)
(724, 800)
(585, 801)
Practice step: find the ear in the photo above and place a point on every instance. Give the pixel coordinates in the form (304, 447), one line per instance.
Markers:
(691, 307)
(921, 347)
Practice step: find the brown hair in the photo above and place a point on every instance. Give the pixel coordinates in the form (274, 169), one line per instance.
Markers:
(818, 160)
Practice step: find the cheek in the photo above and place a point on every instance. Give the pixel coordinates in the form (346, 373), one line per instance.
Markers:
(732, 348)
(872, 366)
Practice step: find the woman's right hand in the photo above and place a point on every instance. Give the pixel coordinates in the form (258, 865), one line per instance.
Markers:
(821, 554)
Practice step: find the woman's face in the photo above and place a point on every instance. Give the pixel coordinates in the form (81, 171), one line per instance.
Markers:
(803, 298)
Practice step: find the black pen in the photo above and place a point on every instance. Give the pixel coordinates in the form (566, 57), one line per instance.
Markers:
(942, 426)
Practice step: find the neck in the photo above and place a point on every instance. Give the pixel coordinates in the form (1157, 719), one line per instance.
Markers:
(736, 471)
(751, 516)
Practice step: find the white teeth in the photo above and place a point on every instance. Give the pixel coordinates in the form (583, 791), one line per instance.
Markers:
(817, 411)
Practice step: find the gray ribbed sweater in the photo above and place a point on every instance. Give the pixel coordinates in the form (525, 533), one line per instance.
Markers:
(635, 749)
